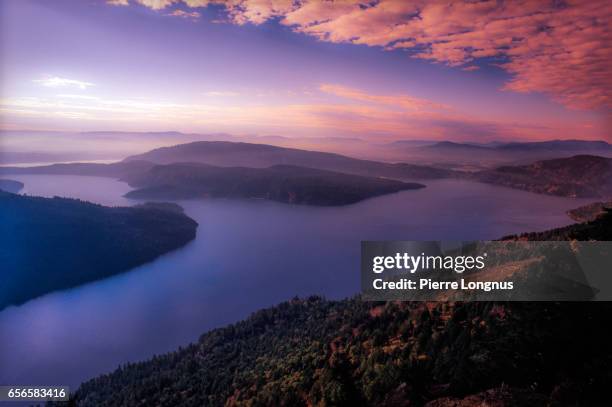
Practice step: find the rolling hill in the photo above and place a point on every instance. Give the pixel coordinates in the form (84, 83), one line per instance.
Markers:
(574, 176)
(230, 154)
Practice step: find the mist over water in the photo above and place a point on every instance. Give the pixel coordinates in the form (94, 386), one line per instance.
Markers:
(248, 254)
(30, 148)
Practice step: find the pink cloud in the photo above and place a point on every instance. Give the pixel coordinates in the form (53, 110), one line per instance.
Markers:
(562, 49)
(370, 115)
(402, 101)
(117, 2)
(559, 48)
(196, 3)
(193, 15)
(157, 4)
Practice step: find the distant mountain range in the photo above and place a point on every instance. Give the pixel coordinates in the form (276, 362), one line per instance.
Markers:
(49, 244)
(88, 146)
(450, 147)
(283, 183)
(578, 176)
(551, 145)
(478, 156)
(558, 145)
(229, 154)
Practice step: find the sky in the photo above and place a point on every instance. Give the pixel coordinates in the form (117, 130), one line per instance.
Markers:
(377, 70)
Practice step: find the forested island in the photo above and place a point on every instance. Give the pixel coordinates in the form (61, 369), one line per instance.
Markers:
(282, 183)
(51, 244)
(311, 351)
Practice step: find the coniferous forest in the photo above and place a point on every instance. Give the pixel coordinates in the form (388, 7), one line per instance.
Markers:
(351, 352)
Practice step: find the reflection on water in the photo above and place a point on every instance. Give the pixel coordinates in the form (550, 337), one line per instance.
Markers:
(248, 255)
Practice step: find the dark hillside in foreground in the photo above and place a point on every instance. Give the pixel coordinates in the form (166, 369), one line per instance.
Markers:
(352, 353)
(230, 154)
(282, 183)
(52, 244)
(578, 176)
(355, 353)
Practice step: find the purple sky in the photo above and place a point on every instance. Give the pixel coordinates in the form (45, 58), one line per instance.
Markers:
(89, 65)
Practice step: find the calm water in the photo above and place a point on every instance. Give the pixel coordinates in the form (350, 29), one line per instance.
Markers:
(247, 255)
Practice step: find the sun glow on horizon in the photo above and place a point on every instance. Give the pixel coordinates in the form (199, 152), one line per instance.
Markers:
(247, 68)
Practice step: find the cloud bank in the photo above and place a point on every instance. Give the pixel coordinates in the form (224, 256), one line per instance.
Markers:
(561, 48)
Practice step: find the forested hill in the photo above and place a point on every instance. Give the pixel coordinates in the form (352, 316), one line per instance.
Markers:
(577, 176)
(315, 352)
(229, 154)
(49, 244)
(352, 353)
(283, 183)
